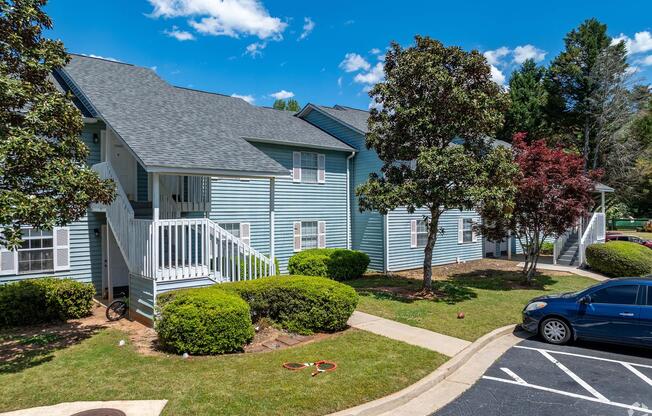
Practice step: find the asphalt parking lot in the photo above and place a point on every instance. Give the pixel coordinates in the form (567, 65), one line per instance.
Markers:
(536, 379)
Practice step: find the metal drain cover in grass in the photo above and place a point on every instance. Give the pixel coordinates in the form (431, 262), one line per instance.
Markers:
(101, 412)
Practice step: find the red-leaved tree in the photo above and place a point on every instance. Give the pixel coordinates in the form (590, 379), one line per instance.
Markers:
(552, 193)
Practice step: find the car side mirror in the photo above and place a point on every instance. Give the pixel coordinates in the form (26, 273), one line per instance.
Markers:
(585, 300)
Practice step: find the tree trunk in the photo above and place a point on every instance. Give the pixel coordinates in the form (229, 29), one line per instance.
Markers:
(433, 228)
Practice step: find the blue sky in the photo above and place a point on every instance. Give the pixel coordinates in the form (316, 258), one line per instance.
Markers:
(325, 52)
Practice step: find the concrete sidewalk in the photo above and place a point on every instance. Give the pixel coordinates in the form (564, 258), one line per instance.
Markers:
(434, 341)
(570, 269)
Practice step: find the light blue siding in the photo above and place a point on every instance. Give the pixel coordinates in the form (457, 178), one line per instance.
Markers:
(85, 247)
(447, 249)
(141, 296)
(367, 228)
(240, 201)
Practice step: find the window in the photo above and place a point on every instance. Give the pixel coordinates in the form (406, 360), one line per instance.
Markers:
(649, 295)
(467, 230)
(309, 167)
(36, 254)
(232, 228)
(309, 235)
(422, 233)
(616, 295)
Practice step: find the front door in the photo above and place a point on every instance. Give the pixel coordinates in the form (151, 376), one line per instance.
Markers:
(612, 314)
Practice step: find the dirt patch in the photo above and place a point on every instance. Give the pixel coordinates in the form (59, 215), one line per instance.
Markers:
(405, 293)
(447, 271)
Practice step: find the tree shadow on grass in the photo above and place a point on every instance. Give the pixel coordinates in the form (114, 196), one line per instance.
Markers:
(501, 280)
(23, 348)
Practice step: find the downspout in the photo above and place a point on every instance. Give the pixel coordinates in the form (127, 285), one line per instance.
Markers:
(348, 200)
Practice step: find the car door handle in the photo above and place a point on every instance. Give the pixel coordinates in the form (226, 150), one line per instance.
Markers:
(627, 314)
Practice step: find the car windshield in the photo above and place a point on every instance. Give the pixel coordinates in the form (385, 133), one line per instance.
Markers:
(579, 292)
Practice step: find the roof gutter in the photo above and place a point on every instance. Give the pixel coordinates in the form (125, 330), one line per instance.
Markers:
(295, 144)
(216, 172)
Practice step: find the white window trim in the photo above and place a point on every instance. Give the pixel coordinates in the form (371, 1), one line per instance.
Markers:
(60, 242)
(297, 167)
(460, 231)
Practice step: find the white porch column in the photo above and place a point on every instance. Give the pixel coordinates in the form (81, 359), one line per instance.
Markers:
(602, 200)
(156, 196)
(509, 245)
(272, 186)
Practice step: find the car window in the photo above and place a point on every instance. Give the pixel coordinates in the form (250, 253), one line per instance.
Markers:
(649, 295)
(618, 295)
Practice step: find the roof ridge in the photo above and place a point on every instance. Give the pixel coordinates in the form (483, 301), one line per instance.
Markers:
(346, 107)
(100, 58)
(208, 92)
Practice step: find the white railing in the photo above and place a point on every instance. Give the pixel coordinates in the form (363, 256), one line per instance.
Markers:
(182, 248)
(190, 193)
(560, 242)
(191, 248)
(594, 232)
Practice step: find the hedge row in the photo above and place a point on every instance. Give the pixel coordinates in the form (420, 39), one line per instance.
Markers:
(336, 263)
(620, 259)
(44, 300)
(217, 319)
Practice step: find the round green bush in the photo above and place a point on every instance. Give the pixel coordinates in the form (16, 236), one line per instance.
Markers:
(302, 304)
(44, 300)
(203, 321)
(336, 263)
(620, 259)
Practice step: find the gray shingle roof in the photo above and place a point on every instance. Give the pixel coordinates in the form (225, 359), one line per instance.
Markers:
(351, 116)
(173, 127)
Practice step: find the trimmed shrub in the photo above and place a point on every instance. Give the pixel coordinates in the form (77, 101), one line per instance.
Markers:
(44, 300)
(302, 304)
(244, 267)
(204, 321)
(547, 248)
(336, 263)
(620, 259)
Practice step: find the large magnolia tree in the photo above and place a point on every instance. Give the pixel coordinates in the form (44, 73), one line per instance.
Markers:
(433, 97)
(44, 179)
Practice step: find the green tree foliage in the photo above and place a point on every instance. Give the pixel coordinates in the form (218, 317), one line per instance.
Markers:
(432, 97)
(528, 102)
(279, 105)
(44, 179)
(571, 83)
(289, 105)
(293, 105)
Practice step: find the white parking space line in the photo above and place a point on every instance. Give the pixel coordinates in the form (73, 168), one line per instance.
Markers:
(638, 373)
(513, 375)
(574, 376)
(583, 356)
(568, 394)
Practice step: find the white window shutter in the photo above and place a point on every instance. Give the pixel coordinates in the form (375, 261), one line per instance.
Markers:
(245, 233)
(460, 230)
(8, 261)
(296, 166)
(321, 234)
(321, 168)
(413, 233)
(297, 236)
(61, 248)
(474, 235)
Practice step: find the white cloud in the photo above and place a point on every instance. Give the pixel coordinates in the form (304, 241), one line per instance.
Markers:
(339, 82)
(525, 52)
(375, 51)
(282, 95)
(255, 49)
(90, 55)
(495, 56)
(497, 75)
(223, 17)
(642, 42)
(374, 76)
(308, 27)
(647, 61)
(180, 35)
(353, 62)
(154, 68)
(248, 98)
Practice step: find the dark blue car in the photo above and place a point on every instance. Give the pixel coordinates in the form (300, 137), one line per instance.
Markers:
(618, 311)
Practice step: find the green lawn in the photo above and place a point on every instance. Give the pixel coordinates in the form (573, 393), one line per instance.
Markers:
(489, 299)
(369, 367)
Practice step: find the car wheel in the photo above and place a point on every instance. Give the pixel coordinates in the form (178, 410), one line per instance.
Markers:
(555, 331)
